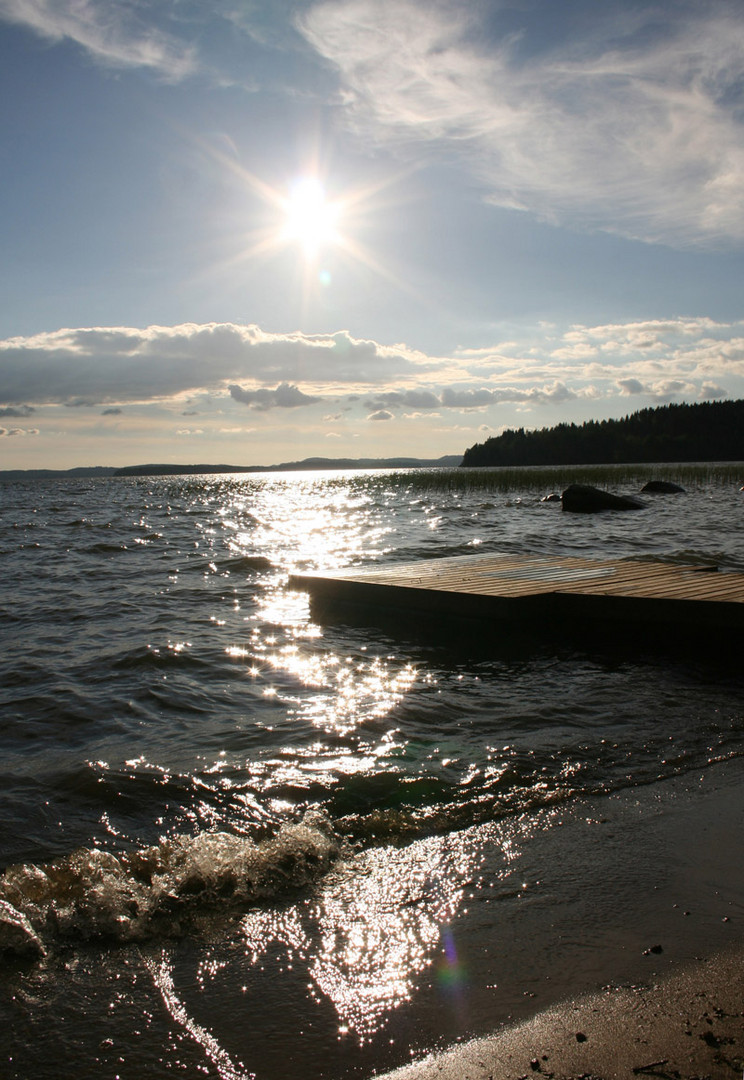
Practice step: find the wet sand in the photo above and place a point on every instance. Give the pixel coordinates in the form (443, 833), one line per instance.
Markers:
(689, 1026)
(673, 1011)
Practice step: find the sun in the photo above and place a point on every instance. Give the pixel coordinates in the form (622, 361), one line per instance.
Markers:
(302, 216)
(311, 219)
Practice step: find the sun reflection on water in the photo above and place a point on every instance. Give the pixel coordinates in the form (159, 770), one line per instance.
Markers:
(381, 925)
(345, 692)
(374, 928)
(367, 935)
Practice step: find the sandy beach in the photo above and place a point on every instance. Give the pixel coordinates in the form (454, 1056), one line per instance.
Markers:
(689, 1026)
(673, 1011)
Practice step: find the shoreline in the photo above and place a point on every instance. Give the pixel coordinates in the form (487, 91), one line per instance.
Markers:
(688, 1026)
(641, 1009)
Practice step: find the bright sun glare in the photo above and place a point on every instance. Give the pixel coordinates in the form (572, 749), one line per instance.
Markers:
(305, 218)
(311, 219)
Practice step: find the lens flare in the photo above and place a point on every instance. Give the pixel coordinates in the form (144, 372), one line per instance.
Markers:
(451, 972)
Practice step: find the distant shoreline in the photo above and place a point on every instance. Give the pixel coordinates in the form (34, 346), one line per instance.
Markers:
(448, 461)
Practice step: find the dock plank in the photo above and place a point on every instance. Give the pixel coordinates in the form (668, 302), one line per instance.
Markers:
(535, 587)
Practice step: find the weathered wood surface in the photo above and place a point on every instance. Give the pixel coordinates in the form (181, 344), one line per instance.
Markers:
(524, 586)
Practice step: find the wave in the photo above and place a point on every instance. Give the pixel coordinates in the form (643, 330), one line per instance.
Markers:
(246, 562)
(165, 890)
(102, 548)
(86, 523)
(157, 890)
(429, 806)
(233, 564)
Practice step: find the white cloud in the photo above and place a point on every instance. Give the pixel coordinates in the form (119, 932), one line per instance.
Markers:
(284, 397)
(649, 334)
(631, 386)
(469, 399)
(712, 392)
(578, 351)
(411, 399)
(215, 371)
(664, 390)
(114, 365)
(685, 347)
(474, 399)
(637, 130)
(715, 356)
(116, 34)
(8, 432)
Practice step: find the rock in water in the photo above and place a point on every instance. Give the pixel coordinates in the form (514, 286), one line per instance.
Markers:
(665, 487)
(583, 499)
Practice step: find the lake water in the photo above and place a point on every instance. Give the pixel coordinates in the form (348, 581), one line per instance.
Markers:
(237, 843)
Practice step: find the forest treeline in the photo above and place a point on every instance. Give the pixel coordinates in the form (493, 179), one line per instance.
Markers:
(708, 431)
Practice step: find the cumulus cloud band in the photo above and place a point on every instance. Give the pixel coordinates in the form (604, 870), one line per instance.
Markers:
(101, 365)
(227, 362)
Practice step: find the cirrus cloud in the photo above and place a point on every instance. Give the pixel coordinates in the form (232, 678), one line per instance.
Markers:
(118, 35)
(636, 129)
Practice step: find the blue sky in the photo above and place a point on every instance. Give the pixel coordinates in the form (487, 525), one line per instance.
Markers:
(249, 232)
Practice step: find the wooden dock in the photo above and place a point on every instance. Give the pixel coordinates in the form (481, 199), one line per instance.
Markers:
(558, 593)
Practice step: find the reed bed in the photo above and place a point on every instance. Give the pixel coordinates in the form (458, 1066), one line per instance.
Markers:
(558, 477)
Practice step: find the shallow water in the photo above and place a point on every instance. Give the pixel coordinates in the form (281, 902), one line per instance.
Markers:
(237, 842)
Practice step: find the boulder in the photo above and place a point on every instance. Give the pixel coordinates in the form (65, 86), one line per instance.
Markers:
(583, 499)
(664, 487)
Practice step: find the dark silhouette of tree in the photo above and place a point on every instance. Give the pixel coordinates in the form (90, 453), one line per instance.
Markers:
(708, 431)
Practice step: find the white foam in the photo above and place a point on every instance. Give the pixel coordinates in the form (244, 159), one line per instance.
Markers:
(131, 896)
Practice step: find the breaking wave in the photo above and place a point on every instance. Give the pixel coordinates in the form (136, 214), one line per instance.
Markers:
(157, 890)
